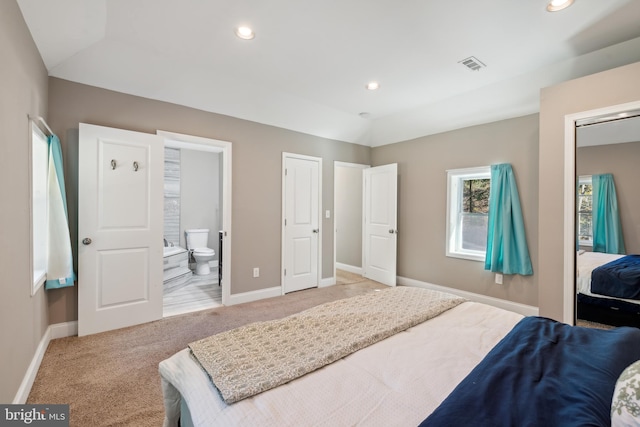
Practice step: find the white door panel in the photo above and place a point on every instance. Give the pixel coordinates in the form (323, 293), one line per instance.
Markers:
(380, 223)
(302, 256)
(301, 210)
(120, 214)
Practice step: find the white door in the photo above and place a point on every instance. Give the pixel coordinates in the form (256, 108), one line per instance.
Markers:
(301, 221)
(120, 214)
(380, 223)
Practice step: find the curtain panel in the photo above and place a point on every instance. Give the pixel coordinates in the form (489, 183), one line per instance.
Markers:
(507, 250)
(59, 256)
(607, 231)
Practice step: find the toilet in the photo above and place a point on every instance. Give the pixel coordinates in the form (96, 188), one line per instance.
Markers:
(197, 245)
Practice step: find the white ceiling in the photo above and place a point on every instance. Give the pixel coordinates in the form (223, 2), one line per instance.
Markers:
(307, 67)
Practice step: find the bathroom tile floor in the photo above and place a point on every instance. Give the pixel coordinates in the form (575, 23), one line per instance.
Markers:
(202, 292)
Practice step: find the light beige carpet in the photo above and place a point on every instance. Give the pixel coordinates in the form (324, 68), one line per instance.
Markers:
(111, 379)
(590, 324)
(344, 277)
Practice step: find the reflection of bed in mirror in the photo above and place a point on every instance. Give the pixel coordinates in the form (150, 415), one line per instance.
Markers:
(596, 304)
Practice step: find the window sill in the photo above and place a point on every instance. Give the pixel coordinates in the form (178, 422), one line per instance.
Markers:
(467, 256)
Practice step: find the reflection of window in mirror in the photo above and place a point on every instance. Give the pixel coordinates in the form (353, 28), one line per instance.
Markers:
(585, 211)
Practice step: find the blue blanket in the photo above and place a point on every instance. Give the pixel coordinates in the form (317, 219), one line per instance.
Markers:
(543, 373)
(619, 278)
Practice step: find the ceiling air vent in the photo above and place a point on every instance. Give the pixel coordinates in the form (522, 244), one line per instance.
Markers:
(472, 63)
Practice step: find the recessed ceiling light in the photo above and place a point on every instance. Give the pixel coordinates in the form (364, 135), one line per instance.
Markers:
(245, 33)
(373, 86)
(556, 5)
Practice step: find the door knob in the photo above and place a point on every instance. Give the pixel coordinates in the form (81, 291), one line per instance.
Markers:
(86, 241)
(392, 231)
(317, 230)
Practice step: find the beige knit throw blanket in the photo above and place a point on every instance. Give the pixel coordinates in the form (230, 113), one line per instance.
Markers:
(257, 357)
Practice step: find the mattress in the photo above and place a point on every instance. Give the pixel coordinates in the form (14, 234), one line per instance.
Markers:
(586, 263)
(397, 381)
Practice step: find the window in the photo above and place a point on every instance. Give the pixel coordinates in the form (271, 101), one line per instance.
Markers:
(585, 211)
(39, 173)
(468, 212)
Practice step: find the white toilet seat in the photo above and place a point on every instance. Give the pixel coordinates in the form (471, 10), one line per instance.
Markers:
(204, 251)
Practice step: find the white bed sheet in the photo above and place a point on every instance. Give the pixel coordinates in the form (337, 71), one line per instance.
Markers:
(398, 381)
(586, 263)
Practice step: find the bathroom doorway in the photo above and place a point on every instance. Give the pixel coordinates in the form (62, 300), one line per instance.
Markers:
(196, 197)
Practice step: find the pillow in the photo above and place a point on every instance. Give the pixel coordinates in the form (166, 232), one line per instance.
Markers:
(625, 407)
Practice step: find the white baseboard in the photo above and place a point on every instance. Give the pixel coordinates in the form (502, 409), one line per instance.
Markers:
(349, 268)
(63, 330)
(525, 310)
(59, 330)
(275, 291)
(328, 281)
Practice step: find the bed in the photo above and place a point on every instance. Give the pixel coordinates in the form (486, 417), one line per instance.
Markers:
(594, 302)
(402, 379)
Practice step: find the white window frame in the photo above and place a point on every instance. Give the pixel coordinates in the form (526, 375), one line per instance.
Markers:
(38, 180)
(455, 177)
(585, 179)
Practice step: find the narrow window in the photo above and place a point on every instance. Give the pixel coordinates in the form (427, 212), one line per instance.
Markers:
(468, 212)
(39, 173)
(585, 211)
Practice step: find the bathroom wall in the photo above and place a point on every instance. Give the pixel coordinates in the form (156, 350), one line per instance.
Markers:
(200, 203)
(172, 195)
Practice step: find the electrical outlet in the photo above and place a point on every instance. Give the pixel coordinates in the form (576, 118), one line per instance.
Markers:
(256, 272)
(327, 214)
(499, 278)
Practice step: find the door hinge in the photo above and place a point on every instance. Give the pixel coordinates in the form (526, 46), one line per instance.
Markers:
(285, 271)
(286, 171)
(285, 222)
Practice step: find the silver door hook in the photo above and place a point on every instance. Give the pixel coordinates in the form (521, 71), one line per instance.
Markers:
(135, 166)
(113, 164)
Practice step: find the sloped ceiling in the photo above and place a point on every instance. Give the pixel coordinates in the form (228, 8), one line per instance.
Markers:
(307, 67)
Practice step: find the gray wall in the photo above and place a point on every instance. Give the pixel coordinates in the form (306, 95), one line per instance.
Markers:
(422, 166)
(257, 159)
(612, 87)
(348, 215)
(23, 85)
(622, 161)
(200, 203)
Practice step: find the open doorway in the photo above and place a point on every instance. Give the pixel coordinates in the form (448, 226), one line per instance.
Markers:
(348, 225)
(197, 213)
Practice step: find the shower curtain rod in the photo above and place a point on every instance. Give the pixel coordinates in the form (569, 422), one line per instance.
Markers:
(41, 120)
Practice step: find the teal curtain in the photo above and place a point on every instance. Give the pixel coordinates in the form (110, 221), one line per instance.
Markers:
(507, 250)
(607, 231)
(59, 256)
